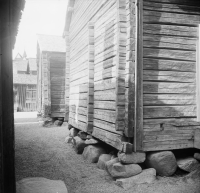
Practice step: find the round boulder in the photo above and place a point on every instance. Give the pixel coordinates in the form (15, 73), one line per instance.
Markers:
(102, 161)
(92, 153)
(124, 171)
(163, 162)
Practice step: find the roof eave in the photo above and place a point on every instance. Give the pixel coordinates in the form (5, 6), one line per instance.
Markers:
(68, 18)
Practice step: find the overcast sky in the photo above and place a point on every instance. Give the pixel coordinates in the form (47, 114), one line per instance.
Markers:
(39, 17)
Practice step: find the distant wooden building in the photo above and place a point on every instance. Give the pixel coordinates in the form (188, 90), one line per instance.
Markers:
(134, 71)
(51, 76)
(25, 84)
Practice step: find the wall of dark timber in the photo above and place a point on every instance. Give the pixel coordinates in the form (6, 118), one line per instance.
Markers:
(10, 13)
(169, 74)
(7, 175)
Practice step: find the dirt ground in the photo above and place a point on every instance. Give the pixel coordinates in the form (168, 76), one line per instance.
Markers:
(42, 152)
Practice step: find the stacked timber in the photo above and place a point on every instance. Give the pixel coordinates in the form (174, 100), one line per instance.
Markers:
(169, 73)
(109, 77)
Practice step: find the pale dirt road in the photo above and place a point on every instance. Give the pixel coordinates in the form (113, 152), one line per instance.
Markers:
(42, 152)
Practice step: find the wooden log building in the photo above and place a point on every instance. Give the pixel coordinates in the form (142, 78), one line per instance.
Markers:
(134, 71)
(25, 84)
(52, 90)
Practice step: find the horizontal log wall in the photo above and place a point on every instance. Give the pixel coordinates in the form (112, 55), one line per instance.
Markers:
(109, 73)
(57, 84)
(169, 74)
(81, 42)
(97, 69)
(105, 46)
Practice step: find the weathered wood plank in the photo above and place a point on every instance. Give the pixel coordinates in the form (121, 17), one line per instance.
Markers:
(105, 84)
(106, 115)
(157, 125)
(169, 99)
(169, 65)
(169, 76)
(172, 137)
(172, 111)
(105, 105)
(178, 2)
(169, 30)
(164, 87)
(166, 17)
(107, 126)
(168, 145)
(174, 42)
(112, 139)
(174, 8)
(170, 54)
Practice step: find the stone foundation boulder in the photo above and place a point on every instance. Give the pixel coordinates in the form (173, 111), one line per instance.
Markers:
(82, 135)
(47, 122)
(109, 164)
(79, 145)
(40, 185)
(146, 176)
(58, 123)
(119, 170)
(188, 164)
(102, 161)
(89, 137)
(163, 162)
(92, 153)
(132, 158)
(65, 124)
(113, 156)
(197, 156)
(68, 139)
(73, 132)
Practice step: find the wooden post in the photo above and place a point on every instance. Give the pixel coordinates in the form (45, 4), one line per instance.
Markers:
(7, 168)
(138, 128)
(120, 71)
(130, 68)
(198, 74)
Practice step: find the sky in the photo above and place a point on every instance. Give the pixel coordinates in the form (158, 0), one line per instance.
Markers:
(39, 17)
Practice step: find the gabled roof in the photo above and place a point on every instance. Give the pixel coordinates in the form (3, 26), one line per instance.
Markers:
(20, 65)
(32, 64)
(68, 17)
(18, 56)
(24, 79)
(51, 43)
